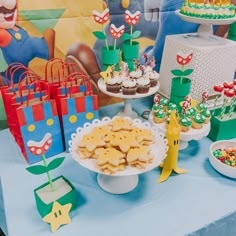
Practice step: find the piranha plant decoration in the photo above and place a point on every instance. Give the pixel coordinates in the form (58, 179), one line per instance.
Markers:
(110, 53)
(181, 84)
(223, 118)
(130, 47)
(56, 192)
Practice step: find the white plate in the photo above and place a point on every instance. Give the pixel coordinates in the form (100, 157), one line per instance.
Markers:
(158, 149)
(152, 90)
(192, 134)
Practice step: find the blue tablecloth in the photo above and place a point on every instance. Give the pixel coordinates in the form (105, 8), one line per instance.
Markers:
(200, 202)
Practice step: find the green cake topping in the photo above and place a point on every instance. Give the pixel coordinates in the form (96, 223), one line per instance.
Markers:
(185, 121)
(198, 118)
(160, 114)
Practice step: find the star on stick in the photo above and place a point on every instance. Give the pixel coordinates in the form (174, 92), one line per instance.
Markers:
(58, 216)
(106, 74)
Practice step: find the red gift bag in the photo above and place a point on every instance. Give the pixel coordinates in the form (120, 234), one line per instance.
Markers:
(76, 104)
(36, 118)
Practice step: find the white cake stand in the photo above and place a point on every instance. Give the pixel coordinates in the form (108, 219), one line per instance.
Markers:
(121, 181)
(205, 29)
(185, 137)
(127, 110)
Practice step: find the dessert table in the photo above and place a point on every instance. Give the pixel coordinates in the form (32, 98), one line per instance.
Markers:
(200, 202)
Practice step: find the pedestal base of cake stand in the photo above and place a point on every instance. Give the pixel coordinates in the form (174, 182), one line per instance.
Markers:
(127, 110)
(117, 184)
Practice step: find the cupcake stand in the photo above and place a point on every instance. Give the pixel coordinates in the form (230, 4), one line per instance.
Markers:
(127, 110)
(185, 137)
(121, 181)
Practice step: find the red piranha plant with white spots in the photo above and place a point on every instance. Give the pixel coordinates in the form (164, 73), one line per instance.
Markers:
(183, 59)
(39, 149)
(102, 19)
(131, 19)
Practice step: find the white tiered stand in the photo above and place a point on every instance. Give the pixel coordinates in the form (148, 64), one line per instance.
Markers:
(213, 57)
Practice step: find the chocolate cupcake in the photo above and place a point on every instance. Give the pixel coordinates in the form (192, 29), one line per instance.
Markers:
(129, 87)
(143, 85)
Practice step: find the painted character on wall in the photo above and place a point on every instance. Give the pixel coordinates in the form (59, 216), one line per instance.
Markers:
(15, 43)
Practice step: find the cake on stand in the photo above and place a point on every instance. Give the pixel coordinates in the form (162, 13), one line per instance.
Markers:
(121, 181)
(127, 110)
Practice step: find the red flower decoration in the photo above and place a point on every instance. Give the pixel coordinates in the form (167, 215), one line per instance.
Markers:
(101, 18)
(184, 60)
(116, 32)
(234, 82)
(229, 93)
(228, 85)
(132, 19)
(218, 88)
(40, 148)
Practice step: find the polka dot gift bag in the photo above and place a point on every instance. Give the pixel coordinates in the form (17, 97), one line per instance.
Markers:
(76, 103)
(36, 117)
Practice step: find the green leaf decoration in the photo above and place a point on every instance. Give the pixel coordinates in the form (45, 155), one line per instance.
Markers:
(55, 163)
(177, 72)
(126, 36)
(136, 34)
(99, 35)
(37, 170)
(187, 72)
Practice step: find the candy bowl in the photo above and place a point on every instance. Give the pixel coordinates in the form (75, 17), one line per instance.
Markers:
(223, 157)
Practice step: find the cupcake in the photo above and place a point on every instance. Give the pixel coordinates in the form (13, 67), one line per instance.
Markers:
(201, 107)
(154, 77)
(192, 111)
(164, 102)
(129, 87)
(143, 85)
(113, 84)
(185, 123)
(159, 116)
(198, 121)
(135, 74)
(207, 115)
(156, 107)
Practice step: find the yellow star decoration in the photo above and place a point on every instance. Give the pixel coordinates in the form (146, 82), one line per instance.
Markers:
(106, 74)
(58, 216)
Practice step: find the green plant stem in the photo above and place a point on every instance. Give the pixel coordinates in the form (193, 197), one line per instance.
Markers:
(222, 113)
(231, 110)
(48, 175)
(131, 33)
(103, 30)
(215, 103)
(115, 44)
(181, 78)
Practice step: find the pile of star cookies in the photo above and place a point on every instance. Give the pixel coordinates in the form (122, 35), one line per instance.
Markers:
(116, 145)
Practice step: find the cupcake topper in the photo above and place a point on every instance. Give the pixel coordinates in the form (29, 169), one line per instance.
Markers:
(205, 96)
(188, 99)
(145, 56)
(152, 62)
(185, 106)
(157, 99)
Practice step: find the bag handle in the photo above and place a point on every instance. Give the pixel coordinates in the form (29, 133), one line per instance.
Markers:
(37, 84)
(10, 71)
(75, 77)
(49, 69)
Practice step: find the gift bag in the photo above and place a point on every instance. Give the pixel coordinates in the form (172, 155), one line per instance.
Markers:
(36, 119)
(13, 97)
(76, 104)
